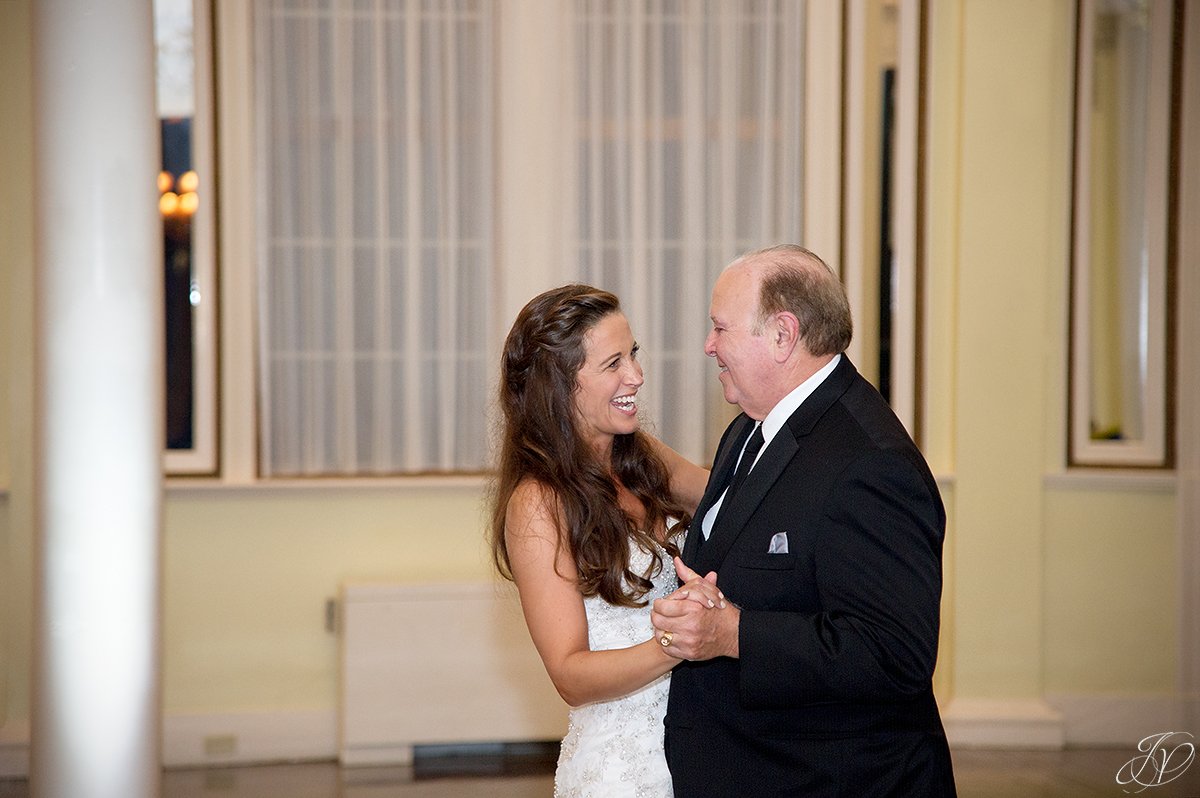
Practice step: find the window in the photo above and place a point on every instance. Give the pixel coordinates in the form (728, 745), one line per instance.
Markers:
(884, 198)
(186, 205)
(421, 169)
(691, 142)
(375, 132)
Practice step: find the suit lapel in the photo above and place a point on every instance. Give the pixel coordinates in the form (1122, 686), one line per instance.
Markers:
(723, 465)
(735, 513)
(737, 509)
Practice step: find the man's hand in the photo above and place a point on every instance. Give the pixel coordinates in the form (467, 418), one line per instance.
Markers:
(696, 588)
(703, 625)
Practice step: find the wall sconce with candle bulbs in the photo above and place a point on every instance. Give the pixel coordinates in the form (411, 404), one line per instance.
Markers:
(178, 197)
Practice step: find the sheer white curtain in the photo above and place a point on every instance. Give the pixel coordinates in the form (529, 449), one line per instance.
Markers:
(690, 151)
(376, 121)
(375, 130)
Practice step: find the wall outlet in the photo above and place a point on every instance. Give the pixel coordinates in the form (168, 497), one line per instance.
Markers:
(220, 745)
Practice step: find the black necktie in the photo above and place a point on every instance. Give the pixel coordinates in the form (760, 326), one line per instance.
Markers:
(748, 456)
(743, 468)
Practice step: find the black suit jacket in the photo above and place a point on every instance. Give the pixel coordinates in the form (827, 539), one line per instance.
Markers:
(832, 693)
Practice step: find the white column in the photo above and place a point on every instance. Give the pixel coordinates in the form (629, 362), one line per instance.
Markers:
(99, 401)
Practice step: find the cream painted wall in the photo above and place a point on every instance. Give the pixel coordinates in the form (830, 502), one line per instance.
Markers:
(1006, 236)
(943, 675)
(16, 365)
(1067, 588)
(1042, 580)
(248, 571)
(1111, 586)
(1002, 238)
(6, 601)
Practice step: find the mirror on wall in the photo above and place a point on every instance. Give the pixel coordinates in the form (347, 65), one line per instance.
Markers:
(1119, 398)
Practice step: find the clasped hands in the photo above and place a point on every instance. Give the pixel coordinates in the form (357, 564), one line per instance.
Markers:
(696, 622)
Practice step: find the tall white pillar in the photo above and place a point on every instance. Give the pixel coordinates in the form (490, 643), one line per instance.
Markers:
(99, 401)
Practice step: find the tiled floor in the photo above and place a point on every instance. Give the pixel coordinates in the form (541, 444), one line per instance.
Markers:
(980, 774)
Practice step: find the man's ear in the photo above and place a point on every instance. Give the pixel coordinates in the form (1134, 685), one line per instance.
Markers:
(785, 331)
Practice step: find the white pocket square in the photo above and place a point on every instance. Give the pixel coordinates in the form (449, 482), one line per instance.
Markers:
(778, 544)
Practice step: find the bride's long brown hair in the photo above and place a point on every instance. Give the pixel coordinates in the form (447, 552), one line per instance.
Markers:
(541, 442)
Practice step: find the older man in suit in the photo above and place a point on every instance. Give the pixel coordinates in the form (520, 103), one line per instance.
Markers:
(822, 526)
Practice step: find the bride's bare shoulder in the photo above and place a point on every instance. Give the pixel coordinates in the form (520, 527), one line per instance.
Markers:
(533, 510)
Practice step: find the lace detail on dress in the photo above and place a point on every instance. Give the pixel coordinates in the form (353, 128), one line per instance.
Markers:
(615, 748)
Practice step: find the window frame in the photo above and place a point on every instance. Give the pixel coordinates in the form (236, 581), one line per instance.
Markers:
(202, 458)
(906, 203)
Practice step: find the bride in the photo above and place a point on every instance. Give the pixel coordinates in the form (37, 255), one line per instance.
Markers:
(588, 512)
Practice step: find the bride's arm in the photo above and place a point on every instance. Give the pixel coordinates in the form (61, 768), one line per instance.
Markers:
(688, 480)
(553, 607)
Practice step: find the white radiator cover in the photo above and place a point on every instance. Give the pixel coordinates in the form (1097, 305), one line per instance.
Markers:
(438, 664)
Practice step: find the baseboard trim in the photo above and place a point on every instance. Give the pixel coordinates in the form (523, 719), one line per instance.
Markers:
(1003, 723)
(1124, 720)
(249, 737)
(200, 740)
(376, 755)
(1062, 719)
(14, 751)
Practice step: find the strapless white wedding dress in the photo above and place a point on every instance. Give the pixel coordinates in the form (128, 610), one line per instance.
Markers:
(615, 748)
